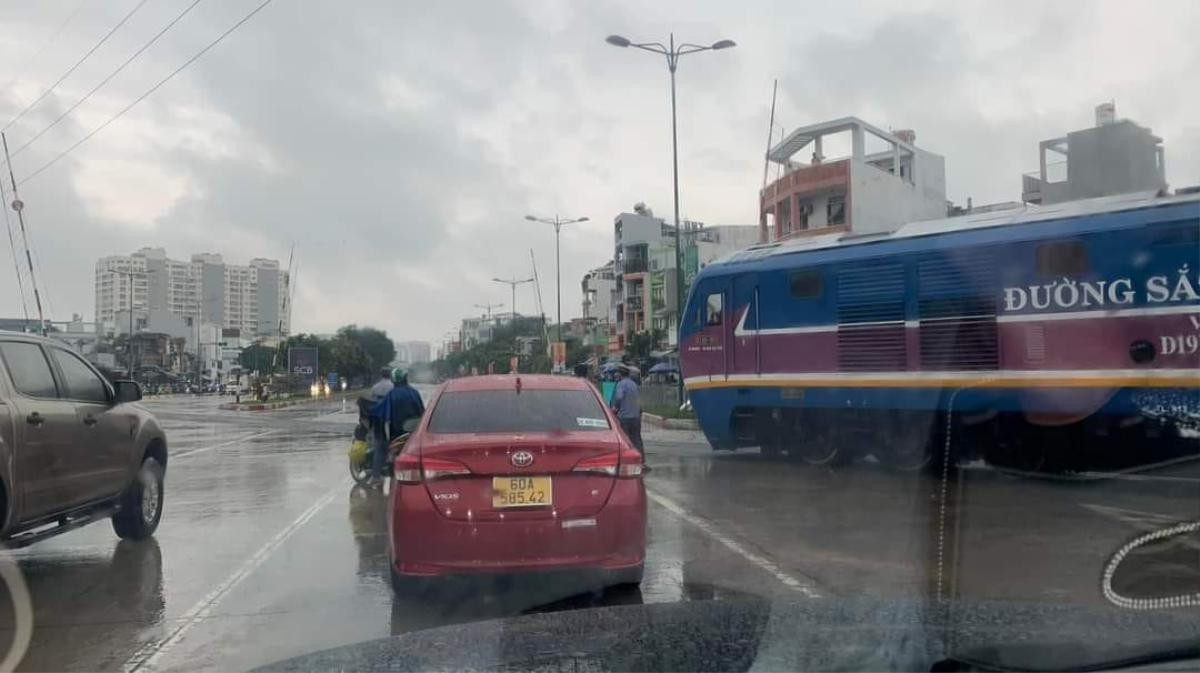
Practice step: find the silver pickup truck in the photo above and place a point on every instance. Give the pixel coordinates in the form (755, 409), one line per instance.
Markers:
(74, 448)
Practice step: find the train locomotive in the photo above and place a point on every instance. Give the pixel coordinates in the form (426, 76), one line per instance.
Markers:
(1064, 337)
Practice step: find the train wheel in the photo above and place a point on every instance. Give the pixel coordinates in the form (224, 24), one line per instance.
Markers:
(772, 445)
(912, 442)
(817, 444)
(1018, 445)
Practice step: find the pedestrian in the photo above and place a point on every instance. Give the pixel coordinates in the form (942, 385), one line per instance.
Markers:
(627, 404)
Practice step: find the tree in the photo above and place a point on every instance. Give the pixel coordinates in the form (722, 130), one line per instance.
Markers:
(500, 350)
(350, 359)
(640, 344)
(576, 352)
(379, 349)
(257, 358)
(324, 350)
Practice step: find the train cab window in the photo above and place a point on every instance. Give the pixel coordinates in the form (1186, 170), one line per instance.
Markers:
(1062, 258)
(712, 309)
(806, 284)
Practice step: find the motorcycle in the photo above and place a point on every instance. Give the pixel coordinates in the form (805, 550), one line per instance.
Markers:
(361, 448)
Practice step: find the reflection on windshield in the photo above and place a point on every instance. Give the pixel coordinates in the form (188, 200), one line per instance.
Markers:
(911, 382)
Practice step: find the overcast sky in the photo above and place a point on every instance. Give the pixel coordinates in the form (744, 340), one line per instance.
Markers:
(399, 145)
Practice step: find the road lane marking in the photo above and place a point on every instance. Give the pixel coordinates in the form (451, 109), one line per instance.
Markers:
(149, 654)
(223, 444)
(803, 587)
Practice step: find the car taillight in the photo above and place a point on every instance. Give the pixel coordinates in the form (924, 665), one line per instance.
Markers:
(407, 469)
(413, 469)
(625, 463)
(436, 468)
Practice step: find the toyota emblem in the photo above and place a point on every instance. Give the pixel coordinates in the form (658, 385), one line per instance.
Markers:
(522, 459)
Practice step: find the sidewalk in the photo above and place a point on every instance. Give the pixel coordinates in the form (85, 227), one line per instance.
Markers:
(669, 423)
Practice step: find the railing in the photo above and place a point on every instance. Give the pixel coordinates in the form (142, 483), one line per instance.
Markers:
(806, 178)
(635, 266)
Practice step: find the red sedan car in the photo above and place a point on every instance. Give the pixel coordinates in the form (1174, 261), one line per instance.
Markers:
(513, 475)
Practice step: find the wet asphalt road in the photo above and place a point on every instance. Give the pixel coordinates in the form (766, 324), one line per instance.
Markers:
(266, 552)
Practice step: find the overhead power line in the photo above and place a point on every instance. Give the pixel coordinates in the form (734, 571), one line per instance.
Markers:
(46, 45)
(72, 69)
(149, 91)
(107, 79)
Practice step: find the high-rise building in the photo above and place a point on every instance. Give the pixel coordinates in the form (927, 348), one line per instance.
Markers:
(205, 290)
(412, 352)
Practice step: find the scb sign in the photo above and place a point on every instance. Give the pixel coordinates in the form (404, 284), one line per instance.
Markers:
(302, 362)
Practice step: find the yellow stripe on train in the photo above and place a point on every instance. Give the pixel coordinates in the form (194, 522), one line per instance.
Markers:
(1167, 379)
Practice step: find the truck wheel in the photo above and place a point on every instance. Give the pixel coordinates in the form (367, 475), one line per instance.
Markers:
(141, 505)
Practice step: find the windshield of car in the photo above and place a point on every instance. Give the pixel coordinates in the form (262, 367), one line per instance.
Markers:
(620, 335)
(511, 411)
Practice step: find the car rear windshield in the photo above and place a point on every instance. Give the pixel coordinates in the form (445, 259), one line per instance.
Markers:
(510, 411)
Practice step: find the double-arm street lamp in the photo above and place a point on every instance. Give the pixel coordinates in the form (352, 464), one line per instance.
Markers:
(558, 222)
(513, 283)
(673, 53)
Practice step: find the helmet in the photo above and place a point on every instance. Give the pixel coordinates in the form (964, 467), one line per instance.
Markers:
(399, 376)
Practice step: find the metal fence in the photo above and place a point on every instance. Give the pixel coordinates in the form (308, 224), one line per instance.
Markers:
(659, 395)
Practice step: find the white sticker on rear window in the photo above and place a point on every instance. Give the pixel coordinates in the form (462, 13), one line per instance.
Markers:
(591, 422)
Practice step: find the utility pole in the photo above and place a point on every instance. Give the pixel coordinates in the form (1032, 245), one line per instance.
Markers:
(19, 206)
(131, 274)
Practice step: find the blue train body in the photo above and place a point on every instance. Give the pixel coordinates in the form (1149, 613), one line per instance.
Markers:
(1057, 317)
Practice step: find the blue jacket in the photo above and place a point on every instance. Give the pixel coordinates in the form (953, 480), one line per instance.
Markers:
(401, 404)
(626, 399)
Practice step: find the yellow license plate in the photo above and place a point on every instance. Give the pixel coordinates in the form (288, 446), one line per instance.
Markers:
(521, 492)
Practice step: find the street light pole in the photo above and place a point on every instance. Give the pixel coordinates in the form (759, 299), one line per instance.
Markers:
(513, 283)
(129, 338)
(673, 54)
(488, 308)
(558, 222)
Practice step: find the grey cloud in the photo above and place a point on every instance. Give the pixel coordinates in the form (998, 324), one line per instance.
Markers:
(402, 214)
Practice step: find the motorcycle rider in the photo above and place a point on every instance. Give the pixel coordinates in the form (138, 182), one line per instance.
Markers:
(400, 404)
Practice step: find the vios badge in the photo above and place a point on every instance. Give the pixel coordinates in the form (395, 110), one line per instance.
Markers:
(522, 459)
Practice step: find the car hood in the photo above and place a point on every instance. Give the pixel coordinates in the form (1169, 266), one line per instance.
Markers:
(820, 634)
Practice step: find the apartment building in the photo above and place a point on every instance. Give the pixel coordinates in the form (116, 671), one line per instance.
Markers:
(644, 273)
(206, 290)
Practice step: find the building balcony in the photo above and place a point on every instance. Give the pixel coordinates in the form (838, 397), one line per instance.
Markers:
(635, 266)
(807, 179)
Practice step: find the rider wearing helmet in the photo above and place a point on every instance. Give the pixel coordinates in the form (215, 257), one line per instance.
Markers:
(402, 403)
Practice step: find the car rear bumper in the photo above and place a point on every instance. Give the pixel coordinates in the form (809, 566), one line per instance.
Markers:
(425, 543)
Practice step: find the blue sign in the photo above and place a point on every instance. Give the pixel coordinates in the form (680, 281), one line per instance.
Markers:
(302, 362)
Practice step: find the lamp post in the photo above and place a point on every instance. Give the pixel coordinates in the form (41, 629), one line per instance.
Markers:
(131, 274)
(673, 53)
(558, 222)
(488, 308)
(513, 283)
